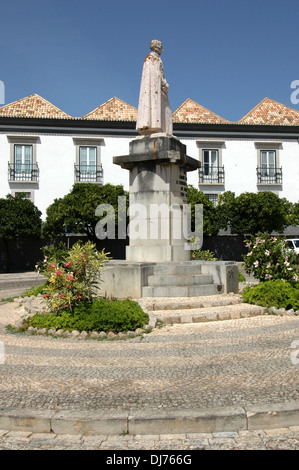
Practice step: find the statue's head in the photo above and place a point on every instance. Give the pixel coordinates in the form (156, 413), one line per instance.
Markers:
(156, 46)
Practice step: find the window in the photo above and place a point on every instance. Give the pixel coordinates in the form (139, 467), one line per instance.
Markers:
(268, 165)
(210, 157)
(26, 194)
(211, 172)
(23, 161)
(87, 163)
(22, 166)
(268, 171)
(88, 168)
(213, 198)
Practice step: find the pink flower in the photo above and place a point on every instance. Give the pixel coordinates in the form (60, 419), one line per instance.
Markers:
(53, 265)
(67, 265)
(69, 278)
(58, 272)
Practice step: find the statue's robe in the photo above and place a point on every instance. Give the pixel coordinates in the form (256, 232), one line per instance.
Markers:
(154, 112)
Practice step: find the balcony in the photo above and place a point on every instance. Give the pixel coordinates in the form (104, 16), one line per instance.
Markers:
(89, 174)
(22, 173)
(211, 175)
(269, 175)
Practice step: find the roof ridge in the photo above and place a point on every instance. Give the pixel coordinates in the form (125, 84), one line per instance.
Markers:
(253, 109)
(190, 100)
(269, 101)
(34, 97)
(110, 101)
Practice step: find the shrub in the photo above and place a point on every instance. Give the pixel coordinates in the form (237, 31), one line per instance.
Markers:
(99, 315)
(269, 258)
(205, 255)
(72, 275)
(274, 293)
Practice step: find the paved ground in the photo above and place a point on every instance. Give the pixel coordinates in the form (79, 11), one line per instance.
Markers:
(271, 439)
(232, 363)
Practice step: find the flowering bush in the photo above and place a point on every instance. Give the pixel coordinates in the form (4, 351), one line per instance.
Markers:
(269, 258)
(72, 276)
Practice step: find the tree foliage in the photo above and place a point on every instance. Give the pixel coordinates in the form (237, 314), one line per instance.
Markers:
(210, 219)
(19, 217)
(76, 210)
(251, 213)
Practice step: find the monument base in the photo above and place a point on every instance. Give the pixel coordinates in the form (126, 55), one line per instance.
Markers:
(124, 279)
(158, 167)
(156, 253)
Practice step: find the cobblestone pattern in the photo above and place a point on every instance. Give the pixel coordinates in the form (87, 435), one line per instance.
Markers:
(272, 439)
(224, 363)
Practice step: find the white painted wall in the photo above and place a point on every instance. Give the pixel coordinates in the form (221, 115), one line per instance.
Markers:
(56, 155)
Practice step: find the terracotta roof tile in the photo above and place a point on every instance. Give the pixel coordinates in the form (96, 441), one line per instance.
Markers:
(192, 112)
(270, 112)
(33, 106)
(113, 110)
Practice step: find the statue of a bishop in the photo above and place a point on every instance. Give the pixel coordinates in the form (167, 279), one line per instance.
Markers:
(154, 112)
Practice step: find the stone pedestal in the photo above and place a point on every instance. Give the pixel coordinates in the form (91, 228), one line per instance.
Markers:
(157, 262)
(158, 169)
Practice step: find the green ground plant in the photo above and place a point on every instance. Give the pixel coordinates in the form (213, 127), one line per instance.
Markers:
(98, 315)
(274, 265)
(277, 293)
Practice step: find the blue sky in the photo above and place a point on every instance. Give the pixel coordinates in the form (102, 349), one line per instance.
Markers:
(225, 54)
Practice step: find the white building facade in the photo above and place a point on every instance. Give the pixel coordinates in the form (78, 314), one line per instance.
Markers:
(44, 151)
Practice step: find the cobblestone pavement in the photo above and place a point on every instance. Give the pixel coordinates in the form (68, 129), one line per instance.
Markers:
(271, 439)
(184, 366)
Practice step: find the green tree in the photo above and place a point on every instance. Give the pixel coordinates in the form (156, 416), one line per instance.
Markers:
(76, 210)
(225, 209)
(210, 219)
(293, 218)
(250, 213)
(20, 219)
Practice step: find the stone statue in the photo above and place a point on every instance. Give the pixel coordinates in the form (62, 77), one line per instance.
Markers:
(154, 112)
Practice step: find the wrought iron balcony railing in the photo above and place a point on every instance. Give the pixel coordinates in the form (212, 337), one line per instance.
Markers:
(211, 174)
(23, 172)
(269, 175)
(88, 174)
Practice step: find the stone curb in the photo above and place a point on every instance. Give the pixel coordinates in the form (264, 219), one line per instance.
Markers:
(230, 419)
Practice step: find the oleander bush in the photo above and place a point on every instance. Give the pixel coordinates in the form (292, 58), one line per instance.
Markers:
(72, 275)
(274, 293)
(98, 315)
(269, 258)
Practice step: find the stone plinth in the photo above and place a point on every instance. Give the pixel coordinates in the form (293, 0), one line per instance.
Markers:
(128, 279)
(158, 169)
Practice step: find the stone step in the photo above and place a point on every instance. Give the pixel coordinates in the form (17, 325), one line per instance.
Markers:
(197, 315)
(181, 291)
(179, 280)
(182, 303)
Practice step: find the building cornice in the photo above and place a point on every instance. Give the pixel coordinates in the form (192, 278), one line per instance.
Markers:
(181, 130)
